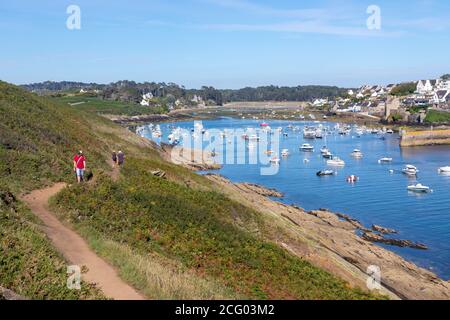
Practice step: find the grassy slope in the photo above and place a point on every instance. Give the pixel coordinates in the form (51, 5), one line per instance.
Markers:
(435, 116)
(100, 106)
(171, 238)
(33, 149)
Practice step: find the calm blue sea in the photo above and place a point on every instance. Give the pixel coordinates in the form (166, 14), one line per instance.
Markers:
(380, 197)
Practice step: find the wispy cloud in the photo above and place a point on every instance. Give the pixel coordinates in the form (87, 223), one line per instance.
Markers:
(332, 20)
(425, 24)
(337, 21)
(253, 8)
(304, 27)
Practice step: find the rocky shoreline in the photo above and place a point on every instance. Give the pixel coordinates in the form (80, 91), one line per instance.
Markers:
(196, 160)
(331, 241)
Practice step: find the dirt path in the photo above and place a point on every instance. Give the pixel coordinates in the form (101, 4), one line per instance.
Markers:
(75, 249)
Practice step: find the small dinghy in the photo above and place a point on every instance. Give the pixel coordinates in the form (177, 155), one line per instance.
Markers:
(285, 153)
(385, 160)
(275, 161)
(323, 173)
(419, 188)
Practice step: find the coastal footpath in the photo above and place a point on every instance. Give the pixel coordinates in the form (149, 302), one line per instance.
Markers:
(425, 138)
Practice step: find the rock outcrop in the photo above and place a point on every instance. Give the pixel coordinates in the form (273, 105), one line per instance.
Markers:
(263, 191)
(383, 230)
(6, 294)
(370, 236)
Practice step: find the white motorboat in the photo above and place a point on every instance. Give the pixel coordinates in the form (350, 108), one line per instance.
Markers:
(385, 160)
(285, 153)
(309, 134)
(319, 134)
(307, 147)
(419, 188)
(324, 150)
(357, 153)
(445, 170)
(410, 170)
(335, 161)
(389, 131)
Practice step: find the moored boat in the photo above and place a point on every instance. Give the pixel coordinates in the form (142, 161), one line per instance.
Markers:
(357, 153)
(410, 170)
(419, 188)
(335, 161)
(445, 170)
(275, 160)
(309, 134)
(327, 155)
(324, 150)
(385, 160)
(322, 173)
(306, 147)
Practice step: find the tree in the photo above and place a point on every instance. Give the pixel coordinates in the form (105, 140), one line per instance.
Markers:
(446, 77)
(404, 89)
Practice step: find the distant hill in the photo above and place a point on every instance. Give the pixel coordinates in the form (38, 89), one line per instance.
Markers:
(130, 91)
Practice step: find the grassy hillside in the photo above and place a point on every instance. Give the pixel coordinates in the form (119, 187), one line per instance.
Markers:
(434, 116)
(208, 233)
(170, 238)
(97, 105)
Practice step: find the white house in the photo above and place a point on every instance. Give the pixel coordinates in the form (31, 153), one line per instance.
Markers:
(320, 102)
(443, 85)
(441, 96)
(426, 86)
(350, 92)
(390, 87)
(146, 99)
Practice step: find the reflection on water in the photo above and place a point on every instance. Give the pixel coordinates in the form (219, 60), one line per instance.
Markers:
(379, 197)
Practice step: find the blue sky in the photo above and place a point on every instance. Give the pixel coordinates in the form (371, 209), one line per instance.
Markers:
(225, 43)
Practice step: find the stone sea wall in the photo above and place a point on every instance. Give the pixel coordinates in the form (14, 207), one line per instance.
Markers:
(425, 138)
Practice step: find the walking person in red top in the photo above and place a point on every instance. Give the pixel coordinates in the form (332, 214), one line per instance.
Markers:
(79, 165)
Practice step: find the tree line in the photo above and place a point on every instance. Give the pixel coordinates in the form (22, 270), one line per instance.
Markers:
(131, 91)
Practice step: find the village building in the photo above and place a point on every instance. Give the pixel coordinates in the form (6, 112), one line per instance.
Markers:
(146, 98)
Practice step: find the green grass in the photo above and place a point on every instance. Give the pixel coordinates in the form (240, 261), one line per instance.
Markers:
(97, 105)
(198, 229)
(434, 116)
(38, 139)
